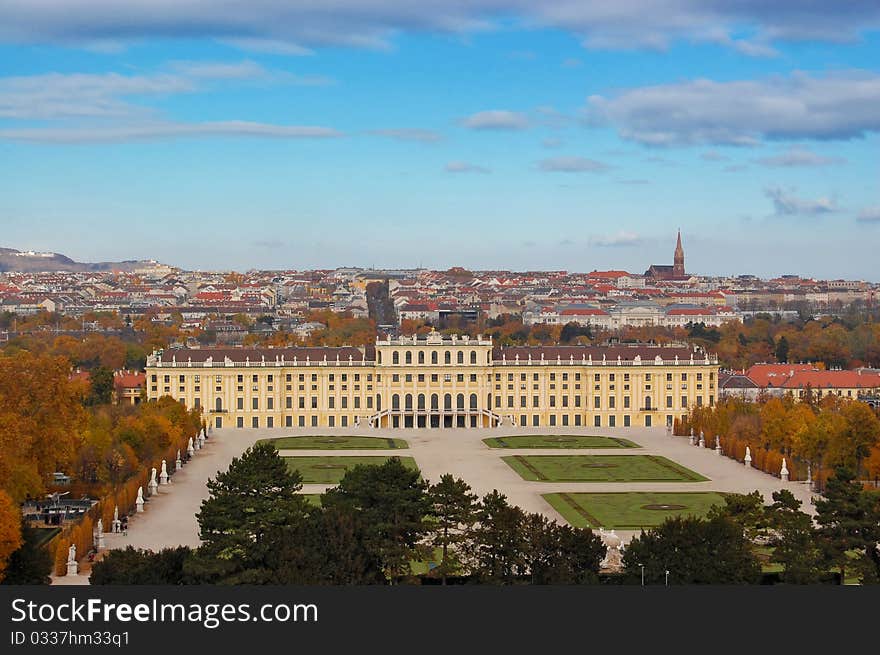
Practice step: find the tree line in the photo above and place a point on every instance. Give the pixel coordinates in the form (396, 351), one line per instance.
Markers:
(256, 528)
(823, 435)
(50, 422)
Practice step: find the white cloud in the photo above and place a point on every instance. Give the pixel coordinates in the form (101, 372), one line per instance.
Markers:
(786, 203)
(798, 157)
(496, 119)
(156, 131)
(572, 165)
(269, 47)
(622, 239)
(713, 155)
(55, 95)
(465, 167)
(292, 26)
(869, 215)
(838, 106)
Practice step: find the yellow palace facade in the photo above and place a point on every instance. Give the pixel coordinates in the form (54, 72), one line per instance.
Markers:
(437, 381)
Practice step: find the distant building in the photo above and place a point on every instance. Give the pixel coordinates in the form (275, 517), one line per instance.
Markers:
(674, 272)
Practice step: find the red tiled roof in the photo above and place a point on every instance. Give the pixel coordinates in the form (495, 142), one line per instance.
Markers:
(832, 379)
(765, 375)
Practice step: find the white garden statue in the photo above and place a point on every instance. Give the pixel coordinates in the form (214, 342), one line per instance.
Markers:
(748, 459)
(152, 485)
(189, 447)
(163, 475)
(139, 503)
(99, 534)
(783, 473)
(72, 566)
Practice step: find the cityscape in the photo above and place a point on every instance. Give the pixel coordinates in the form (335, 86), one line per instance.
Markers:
(504, 295)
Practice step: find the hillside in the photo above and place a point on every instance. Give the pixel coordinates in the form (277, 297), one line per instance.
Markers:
(16, 260)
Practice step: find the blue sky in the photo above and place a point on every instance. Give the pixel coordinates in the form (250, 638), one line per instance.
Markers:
(488, 134)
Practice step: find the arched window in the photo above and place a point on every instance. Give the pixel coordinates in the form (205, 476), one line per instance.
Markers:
(421, 401)
(459, 401)
(447, 401)
(473, 401)
(218, 405)
(395, 357)
(473, 357)
(435, 401)
(461, 357)
(421, 357)
(409, 357)
(379, 357)
(395, 402)
(447, 357)
(378, 402)
(433, 356)
(647, 403)
(408, 402)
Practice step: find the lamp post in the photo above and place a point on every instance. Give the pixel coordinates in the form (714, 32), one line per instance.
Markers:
(667, 578)
(642, 567)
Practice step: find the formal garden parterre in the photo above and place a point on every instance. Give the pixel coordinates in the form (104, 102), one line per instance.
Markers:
(332, 468)
(337, 442)
(600, 468)
(630, 510)
(559, 441)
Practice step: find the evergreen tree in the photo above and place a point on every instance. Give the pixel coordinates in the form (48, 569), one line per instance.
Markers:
(393, 502)
(849, 526)
(499, 544)
(101, 383)
(794, 541)
(329, 547)
(142, 567)
(745, 511)
(782, 350)
(247, 506)
(694, 551)
(31, 564)
(559, 554)
(454, 513)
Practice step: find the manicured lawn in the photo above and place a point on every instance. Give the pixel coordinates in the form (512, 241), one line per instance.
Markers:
(630, 511)
(559, 441)
(313, 499)
(330, 469)
(600, 468)
(331, 442)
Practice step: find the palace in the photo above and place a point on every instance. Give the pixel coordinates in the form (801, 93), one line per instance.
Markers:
(437, 381)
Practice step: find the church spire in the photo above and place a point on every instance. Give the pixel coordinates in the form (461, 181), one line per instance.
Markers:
(678, 259)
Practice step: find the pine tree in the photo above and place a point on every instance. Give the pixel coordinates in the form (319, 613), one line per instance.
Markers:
(794, 542)
(849, 525)
(393, 503)
(248, 504)
(454, 513)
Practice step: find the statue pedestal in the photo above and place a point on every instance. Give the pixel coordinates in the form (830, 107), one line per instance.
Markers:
(72, 568)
